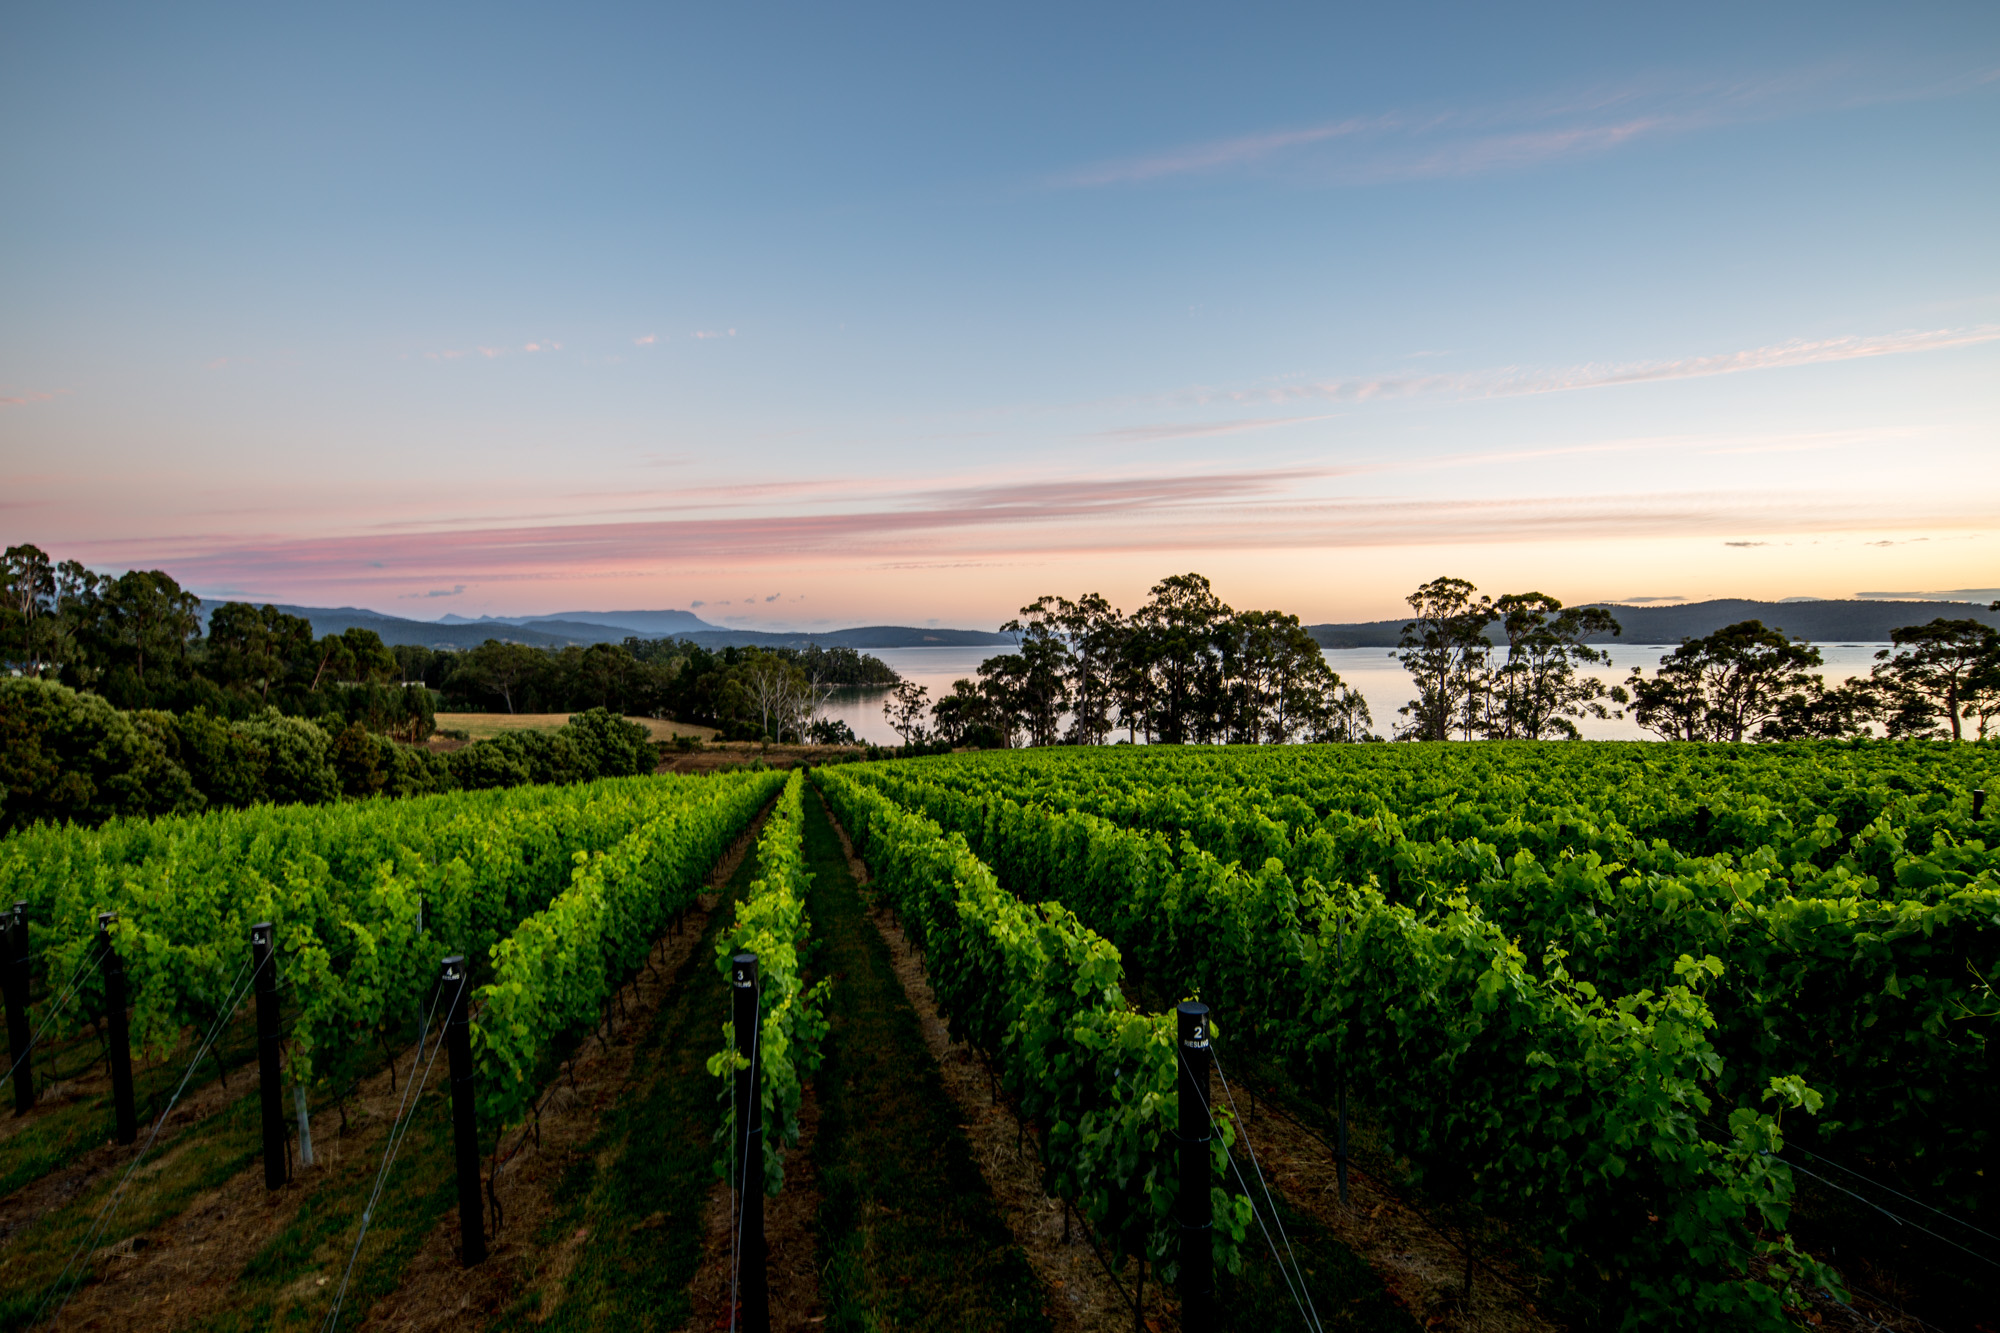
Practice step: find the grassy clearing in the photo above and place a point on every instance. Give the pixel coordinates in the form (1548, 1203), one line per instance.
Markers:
(485, 726)
(909, 1236)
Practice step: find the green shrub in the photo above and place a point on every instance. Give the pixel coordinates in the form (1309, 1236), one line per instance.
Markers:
(611, 746)
(68, 755)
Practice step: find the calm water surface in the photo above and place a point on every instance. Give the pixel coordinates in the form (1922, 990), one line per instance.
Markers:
(1374, 672)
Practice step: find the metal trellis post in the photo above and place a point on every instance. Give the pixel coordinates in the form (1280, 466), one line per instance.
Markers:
(20, 1032)
(1195, 1208)
(455, 979)
(753, 1289)
(118, 1033)
(266, 970)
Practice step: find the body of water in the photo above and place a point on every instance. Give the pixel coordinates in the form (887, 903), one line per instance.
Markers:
(1373, 672)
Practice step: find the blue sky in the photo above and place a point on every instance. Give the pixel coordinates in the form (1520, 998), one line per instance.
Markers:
(913, 314)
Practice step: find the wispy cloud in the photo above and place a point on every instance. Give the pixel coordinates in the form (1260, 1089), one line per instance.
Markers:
(646, 341)
(1170, 431)
(436, 592)
(706, 334)
(1269, 509)
(1221, 153)
(1516, 382)
(1946, 595)
(28, 396)
(1462, 141)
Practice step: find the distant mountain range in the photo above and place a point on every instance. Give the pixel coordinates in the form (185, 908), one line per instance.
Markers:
(588, 627)
(1820, 622)
(650, 624)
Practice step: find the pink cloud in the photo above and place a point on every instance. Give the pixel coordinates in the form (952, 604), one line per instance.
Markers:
(646, 341)
(1246, 510)
(25, 397)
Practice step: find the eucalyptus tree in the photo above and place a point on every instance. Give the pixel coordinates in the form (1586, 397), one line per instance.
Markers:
(1941, 673)
(27, 602)
(251, 648)
(1095, 631)
(1445, 649)
(1174, 660)
(1541, 684)
(1724, 686)
(1033, 685)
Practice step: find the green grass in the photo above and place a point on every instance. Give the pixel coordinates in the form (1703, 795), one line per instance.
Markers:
(57, 1134)
(640, 1185)
(200, 1157)
(909, 1235)
(420, 1190)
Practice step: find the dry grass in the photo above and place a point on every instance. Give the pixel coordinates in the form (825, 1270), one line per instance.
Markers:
(485, 726)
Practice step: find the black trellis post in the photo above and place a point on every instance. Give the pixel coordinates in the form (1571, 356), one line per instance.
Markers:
(1340, 1140)
(20, 1033)
(265, 968)
(753, 1283)
(1195, 1208)
(119, 1032)
(1978, 801)
(464, 1116)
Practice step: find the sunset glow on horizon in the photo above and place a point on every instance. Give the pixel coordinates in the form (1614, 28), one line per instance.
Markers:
(908, 317)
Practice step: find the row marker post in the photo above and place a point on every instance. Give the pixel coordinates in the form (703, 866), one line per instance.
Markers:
(464, 1114)
(753, 1289)
(1194, 1206)
(20, 1031)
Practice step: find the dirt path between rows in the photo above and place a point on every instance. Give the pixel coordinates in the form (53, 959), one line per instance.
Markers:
(1421, 1270)
(1085, 1298)
(436, 1291)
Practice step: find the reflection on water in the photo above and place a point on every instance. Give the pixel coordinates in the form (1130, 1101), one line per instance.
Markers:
(1374, 672)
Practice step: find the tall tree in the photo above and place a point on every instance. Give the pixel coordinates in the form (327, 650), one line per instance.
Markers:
(1944, 671)
(143, 619)
(251, 648)
(1034, 683)
(1444, 648)
(505, 669)
(1173, 643)
(27, 601)
(1096, 633)
(906, 707)
(778, 691)
(1540, 686)
(1723, 686)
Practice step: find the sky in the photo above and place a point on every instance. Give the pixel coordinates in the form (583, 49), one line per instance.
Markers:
(812, 316)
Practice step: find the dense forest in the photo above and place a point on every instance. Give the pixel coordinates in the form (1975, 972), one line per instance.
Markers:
(137, 641)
